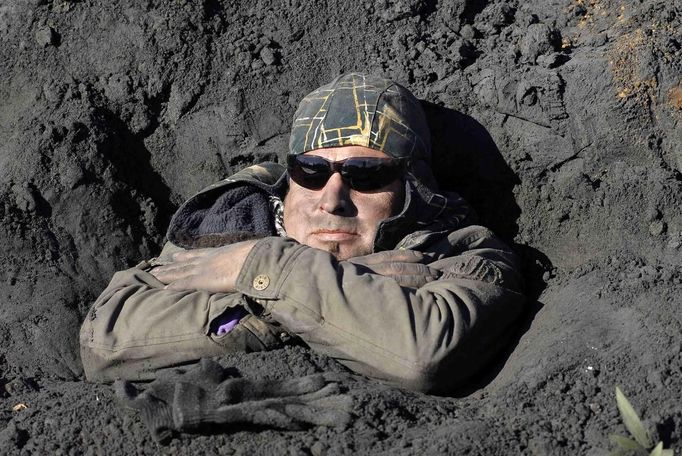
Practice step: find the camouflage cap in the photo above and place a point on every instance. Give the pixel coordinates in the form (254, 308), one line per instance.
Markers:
(361, 110)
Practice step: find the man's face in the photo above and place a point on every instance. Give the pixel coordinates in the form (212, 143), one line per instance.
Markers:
(336, 218)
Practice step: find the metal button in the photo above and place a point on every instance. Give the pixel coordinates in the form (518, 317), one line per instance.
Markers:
(261, 282)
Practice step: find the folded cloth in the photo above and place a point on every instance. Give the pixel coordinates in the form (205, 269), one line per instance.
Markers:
(200, 397)
(228, 320)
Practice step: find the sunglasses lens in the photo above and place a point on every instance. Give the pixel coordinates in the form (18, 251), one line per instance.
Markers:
(309, 171)
(362, 174)
(367, 174)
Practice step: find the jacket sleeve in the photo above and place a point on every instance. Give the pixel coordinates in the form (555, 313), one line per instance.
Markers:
(136, 327)
(428, 339)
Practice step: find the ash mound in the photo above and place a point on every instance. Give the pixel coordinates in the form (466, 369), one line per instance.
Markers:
(559, 121)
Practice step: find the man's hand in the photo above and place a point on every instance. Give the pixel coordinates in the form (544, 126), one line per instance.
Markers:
(213, 269)
(404, 266)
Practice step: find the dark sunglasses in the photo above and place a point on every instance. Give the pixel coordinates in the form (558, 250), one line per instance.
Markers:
(360, 173)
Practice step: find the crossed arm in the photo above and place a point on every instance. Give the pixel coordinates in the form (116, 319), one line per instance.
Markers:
(216, 269)
(425, 321)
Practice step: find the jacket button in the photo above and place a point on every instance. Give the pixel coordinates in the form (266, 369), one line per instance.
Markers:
(261, 282)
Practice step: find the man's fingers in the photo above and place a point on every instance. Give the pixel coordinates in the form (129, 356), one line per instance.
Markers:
(185, 255)
(197, 282)
(411, 275)
(391, 256)
(213, 269)
(170, 273)
(176, 265)
(181, 284)
(398, 269)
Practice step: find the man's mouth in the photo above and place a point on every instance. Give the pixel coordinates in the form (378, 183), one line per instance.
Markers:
(336, 235)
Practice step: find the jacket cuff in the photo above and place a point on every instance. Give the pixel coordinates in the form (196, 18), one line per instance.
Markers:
(267, 266)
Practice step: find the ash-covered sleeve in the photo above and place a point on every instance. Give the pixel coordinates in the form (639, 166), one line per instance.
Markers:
(136, 327)
(430, 339)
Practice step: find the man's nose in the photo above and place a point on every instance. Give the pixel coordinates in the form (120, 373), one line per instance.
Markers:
(335, 197)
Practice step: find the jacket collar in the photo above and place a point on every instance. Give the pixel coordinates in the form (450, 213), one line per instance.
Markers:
(426, 215)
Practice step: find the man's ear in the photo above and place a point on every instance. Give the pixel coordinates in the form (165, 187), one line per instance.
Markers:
(287, 187)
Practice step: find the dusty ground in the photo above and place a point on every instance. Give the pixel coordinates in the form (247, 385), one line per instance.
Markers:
(559, 120)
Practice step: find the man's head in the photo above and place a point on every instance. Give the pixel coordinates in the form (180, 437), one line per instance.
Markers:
(351, 143)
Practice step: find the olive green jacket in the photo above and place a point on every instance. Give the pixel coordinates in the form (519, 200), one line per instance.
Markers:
(432, 338)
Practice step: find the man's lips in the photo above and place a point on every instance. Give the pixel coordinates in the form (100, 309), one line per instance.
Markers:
(334, 235)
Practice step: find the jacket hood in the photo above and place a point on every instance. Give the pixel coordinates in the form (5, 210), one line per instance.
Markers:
(240, 207)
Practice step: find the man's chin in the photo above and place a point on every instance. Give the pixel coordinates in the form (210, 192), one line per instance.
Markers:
(341, 250)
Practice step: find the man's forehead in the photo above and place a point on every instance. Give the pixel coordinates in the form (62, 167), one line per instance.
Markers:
(343, 152)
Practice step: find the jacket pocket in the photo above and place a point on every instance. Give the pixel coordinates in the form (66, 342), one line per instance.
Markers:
(250, 334)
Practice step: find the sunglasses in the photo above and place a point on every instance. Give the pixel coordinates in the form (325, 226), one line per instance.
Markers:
(360, 173)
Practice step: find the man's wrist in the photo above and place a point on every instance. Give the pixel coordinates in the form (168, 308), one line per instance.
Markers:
(267, 266)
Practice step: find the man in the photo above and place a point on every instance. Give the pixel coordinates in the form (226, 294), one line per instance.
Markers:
(347, 249)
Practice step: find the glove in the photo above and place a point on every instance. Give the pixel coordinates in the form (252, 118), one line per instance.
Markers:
(155, 402)
(404, 266)
(201, 398)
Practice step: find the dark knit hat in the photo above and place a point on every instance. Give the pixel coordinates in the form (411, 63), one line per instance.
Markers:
(361, 110)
